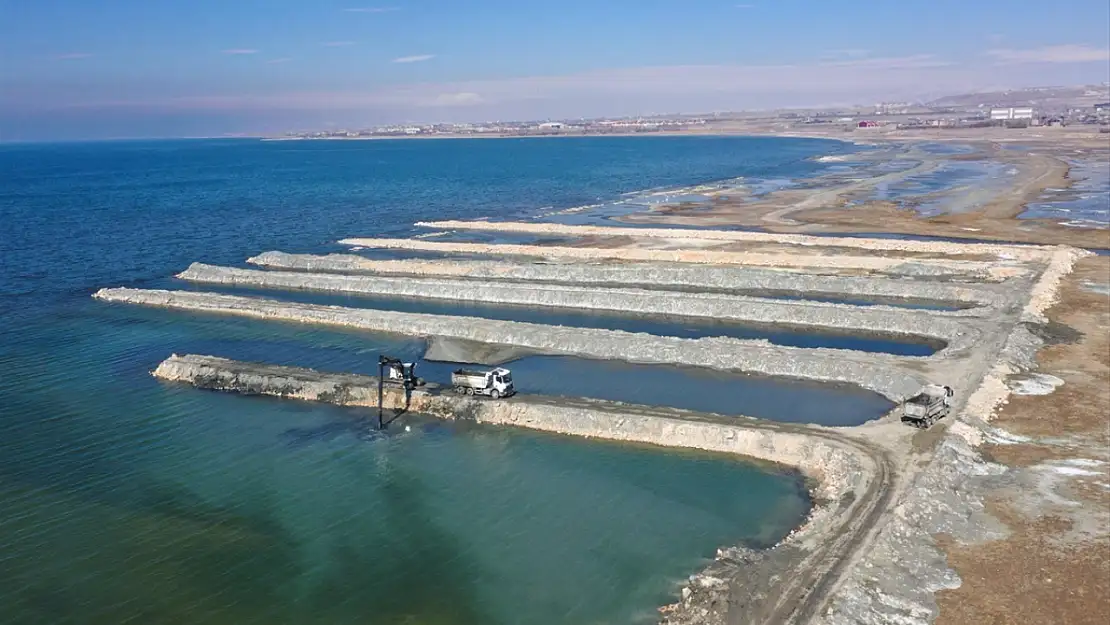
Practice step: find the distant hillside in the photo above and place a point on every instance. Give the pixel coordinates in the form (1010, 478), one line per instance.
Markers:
(1034, 96)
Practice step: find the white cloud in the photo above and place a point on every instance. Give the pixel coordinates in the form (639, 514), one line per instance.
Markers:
(372, 10)
(338, 44)
(736, 85)
(1069, 53)
(917, 61)
(240, 51)
(463, 98)
(620, 91)
(414, 59)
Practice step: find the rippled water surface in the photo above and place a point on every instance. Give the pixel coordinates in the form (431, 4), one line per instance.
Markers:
(1086, 203)
(123, 499)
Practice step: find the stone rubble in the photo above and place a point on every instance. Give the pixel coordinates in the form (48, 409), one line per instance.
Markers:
(710, 257)
(1023, 252)
(655, 275)
(877, 320)
(880, 373)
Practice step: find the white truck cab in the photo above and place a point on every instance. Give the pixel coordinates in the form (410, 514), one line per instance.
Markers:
(496, 383)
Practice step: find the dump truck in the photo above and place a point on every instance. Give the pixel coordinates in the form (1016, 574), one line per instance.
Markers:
(930, 405)
(496, 383)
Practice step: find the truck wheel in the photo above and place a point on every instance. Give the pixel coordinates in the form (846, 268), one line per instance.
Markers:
(496, 394)
(469, 391)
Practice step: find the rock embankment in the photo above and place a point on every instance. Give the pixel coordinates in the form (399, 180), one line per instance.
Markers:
(650, 275)
(883, 374)
(835, 468)
(1024, 252)
(846, 477)
(876, 320)
(698, 256)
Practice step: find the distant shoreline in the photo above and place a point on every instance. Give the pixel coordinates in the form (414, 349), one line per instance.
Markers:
(676, 133)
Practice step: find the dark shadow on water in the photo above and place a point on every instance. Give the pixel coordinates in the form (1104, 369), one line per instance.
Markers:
(422, 576)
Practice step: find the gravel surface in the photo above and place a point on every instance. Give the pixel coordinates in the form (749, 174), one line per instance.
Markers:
(873, 319)
(661, 275)
(875, 372)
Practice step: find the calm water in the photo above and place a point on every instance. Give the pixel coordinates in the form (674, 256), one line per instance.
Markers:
(659, 325)
(126, 500)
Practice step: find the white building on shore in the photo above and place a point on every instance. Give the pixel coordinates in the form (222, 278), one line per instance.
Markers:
(1012, 113)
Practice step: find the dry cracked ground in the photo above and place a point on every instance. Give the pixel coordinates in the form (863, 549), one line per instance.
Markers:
(1055, 565)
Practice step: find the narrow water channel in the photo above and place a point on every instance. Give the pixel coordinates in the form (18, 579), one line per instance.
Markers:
(659, 325)
(693, 388)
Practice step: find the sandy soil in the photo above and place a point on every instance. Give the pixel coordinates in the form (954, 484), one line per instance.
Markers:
(1055, 567)
(992, 215)
(625, 242)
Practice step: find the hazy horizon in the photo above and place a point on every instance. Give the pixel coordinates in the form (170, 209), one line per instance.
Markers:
(209, 69)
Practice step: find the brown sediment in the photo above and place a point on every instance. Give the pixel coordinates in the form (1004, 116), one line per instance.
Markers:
(706, 256)
(1027, 578)
(1055, 566)
(630, 242)
(826, 210)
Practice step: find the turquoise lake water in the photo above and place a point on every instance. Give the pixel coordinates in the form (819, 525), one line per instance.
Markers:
(123, 499)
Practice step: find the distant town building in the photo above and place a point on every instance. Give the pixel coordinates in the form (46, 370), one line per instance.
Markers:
(892, 108)
(868, 124)
(1012, 113)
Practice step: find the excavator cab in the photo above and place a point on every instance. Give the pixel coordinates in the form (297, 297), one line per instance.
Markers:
(403, 373)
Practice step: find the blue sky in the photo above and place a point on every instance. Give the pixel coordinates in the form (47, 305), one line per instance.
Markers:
(87, 69)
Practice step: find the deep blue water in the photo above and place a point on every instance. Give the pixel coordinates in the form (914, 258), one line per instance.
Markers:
(126, 500)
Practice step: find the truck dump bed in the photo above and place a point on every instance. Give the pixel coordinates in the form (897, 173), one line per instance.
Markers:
(469, 373)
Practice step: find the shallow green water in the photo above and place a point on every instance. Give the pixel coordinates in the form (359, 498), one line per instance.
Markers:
(123, 500)
(130, 500)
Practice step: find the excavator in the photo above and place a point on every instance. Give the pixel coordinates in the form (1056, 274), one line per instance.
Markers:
(397, 372)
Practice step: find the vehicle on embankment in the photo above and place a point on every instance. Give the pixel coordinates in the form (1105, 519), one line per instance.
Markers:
(930, 405)
(496, 383)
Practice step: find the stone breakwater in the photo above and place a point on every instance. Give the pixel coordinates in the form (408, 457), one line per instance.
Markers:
(876, 320)
(1024, 252)
(1046, 290)
(894, 581)
(648, 275)
(848, 479)
(886, 375)
(698, 256)
(344, 389)
(836, 471)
